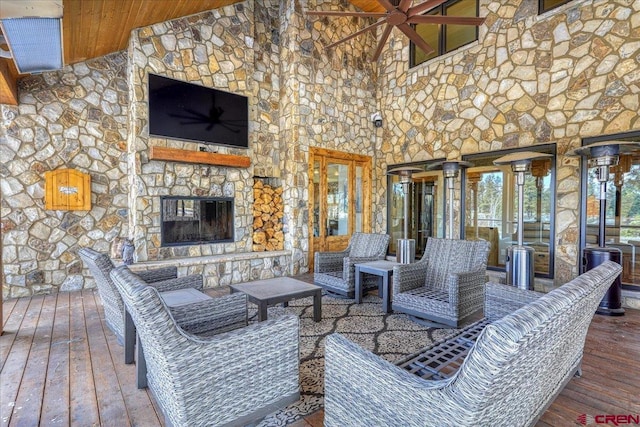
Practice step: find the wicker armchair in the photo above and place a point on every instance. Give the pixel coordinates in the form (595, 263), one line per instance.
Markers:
(513, 372)
(446, 285)
(232, 378)
(100, 266)
(335, 271)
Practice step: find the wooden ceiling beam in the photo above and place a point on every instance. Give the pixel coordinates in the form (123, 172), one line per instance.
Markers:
(8, 83)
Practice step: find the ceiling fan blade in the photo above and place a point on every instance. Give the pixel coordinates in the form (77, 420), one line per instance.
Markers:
(446, 20)
(415, 38)
(422, 7)
(387, 5)
(404, 5)
(357, 33)
(381, 43)
(336, 13)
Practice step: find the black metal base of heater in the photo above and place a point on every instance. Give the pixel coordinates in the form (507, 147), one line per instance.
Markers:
(611, 304)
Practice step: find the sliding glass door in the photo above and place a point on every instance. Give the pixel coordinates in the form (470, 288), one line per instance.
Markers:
(426, 207)
(491, 207)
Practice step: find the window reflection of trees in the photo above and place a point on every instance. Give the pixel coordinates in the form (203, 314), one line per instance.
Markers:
(489, 199)
(494, 215)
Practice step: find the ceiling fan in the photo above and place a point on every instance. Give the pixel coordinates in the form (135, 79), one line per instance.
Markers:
(401, 16)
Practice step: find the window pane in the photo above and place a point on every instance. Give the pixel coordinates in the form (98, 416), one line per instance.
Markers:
(358, 195)
(431, 35)
(630, 223)
(491, 209)
(337, 200)
(630, 206)
(446, 38)
(425, 208)
(550, 4)
(396, 212)
(316, 198)
(459, 35)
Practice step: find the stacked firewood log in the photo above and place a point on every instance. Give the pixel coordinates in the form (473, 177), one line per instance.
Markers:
(268, 211)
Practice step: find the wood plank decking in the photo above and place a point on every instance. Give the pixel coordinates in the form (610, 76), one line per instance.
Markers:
(60, 365)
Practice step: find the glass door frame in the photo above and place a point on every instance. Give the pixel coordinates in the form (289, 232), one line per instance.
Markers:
(441, 197)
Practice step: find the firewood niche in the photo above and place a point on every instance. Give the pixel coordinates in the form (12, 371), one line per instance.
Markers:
(268, 210)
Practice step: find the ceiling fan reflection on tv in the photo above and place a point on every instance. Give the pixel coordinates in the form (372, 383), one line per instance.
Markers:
(401, 16)
(214, 118)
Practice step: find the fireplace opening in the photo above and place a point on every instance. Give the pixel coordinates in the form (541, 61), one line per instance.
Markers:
(196, 220)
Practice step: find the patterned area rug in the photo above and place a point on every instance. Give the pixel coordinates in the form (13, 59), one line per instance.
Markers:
(391, 336)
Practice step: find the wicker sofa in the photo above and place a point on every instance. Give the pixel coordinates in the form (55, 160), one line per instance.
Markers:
(233, 378)
(529, 348)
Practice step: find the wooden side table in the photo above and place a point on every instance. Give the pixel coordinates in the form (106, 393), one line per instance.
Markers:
(382, 269)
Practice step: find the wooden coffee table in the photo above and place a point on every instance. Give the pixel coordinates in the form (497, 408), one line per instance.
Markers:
(268, 292)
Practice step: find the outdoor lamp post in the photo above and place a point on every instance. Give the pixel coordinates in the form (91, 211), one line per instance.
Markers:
(406, 252)
(603, 155)
(450, 170)
(520, 258)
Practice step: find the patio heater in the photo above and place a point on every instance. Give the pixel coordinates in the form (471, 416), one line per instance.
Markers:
(406, 251)
(520, 258)
(450, 170)
(603, 155)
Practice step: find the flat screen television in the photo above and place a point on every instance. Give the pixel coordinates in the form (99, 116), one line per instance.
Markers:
(191, 112)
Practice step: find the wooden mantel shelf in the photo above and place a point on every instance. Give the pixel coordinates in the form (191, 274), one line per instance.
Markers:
(202, 157)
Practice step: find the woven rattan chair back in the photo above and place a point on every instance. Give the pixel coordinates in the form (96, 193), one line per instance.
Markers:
(445, 256)
(368, 245)
(100, 266)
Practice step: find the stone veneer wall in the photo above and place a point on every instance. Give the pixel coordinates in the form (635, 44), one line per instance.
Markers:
(84, 111)
(73, 118)
(221, 270)
(568, 74)
(327, 99)
(571, 73)
(214, 49)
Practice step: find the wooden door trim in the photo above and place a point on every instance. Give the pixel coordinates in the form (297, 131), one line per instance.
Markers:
(340, 155)
(324, 155)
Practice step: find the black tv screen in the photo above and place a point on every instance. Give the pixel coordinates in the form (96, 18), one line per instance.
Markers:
(196, 113)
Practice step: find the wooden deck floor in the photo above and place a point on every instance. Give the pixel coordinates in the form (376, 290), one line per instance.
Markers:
(60, 365)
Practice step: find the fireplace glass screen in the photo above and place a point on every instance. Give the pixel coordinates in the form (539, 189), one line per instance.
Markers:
(194, 220)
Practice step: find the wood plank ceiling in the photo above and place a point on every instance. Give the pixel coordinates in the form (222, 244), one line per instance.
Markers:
(98, 27)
